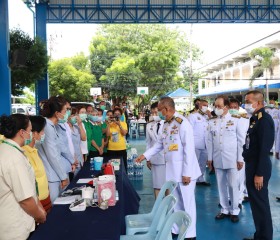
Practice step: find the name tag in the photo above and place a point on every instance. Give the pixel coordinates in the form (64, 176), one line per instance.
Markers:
(173, 147)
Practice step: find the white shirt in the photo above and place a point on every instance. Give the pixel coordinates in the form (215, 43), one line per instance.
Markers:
(177, 143)
(225, 140)
(17, 183)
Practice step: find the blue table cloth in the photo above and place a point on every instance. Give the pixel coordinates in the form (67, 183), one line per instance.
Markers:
(93, 223)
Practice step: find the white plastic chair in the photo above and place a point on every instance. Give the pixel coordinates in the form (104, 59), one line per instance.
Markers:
(141, 222)
(163, 212)
(181, 219)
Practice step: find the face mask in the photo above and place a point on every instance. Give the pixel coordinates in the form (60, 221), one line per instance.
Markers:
(68, 112)
(103, 107)
(271, 105)
(64, 119)
(83, 116)
(156, 118)
(204, 109)
(122, 118)
(73, 120)
(219, 112)
(93, 118)
(41, 140)
(249, 108)
(233, 111)
(161, 116)
(106, 118)
(29, 140)
(100, 119)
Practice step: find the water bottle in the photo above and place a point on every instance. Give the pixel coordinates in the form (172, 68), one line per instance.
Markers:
(91, 164)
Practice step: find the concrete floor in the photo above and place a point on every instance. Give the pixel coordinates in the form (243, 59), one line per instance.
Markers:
(207, 200)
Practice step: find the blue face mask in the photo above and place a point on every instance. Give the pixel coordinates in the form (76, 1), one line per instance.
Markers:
(122, 118)
(233, 111)
(73, 120)
(161, 116)
(83, 116)
(29, 140)
(64, 119)
(93, 118)
(41, 140)
(68, 112)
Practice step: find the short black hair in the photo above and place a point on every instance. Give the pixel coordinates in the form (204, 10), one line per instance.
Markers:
(234, 100)
(154, 105)
(10, 125)
(196, 100)
(117, 109)
(52, 105)
(99, 110)
(38, 123)
(225, 99)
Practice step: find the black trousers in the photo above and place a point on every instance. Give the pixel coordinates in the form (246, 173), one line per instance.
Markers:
(118, 154)
(259, 204)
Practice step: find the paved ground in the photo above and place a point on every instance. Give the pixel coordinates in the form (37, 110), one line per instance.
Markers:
(207, 205)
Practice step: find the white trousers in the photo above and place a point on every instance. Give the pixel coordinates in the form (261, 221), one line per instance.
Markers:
(202, 156)
(227, 180)
(242, 184)
(186, 202)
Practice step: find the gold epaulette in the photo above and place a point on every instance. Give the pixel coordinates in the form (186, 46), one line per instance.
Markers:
(259, 115)
(179, 120)
(236, 116)
(244, 115)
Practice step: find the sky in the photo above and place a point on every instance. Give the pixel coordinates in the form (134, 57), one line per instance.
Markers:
(215, 40)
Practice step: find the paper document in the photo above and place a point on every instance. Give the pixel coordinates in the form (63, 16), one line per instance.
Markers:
(84, 180)
(66, 200)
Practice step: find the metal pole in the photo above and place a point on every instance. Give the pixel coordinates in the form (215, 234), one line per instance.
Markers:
(191, 70)
(5, 72)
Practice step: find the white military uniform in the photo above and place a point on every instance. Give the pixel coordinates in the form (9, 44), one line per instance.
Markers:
(225, 146)
(179, 154)
(153, 131)
(274, 113)
(199, 123)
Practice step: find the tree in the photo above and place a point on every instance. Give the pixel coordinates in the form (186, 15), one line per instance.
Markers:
(145, 55)
(71, 78)
(266, 62)
(29, 60)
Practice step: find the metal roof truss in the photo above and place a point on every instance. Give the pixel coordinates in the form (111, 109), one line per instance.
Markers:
(163, 11)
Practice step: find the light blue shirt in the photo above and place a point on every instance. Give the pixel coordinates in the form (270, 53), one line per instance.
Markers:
(50, 152)
(66, 157)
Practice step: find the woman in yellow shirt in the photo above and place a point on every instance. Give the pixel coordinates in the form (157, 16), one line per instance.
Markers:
(117, 131)
(38, 125)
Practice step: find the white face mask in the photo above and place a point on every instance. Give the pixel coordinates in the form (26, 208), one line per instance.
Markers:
(204, 109)
(219, 112)
(156, 118)
(249, 108)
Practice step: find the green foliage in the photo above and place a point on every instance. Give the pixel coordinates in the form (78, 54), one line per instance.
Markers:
(126, 56)
(29, 98)
(35, 62)
(71, 78)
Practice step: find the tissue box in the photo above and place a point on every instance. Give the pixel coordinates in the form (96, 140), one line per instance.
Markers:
(107, 191)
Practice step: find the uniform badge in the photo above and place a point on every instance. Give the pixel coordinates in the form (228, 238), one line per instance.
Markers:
(173, 147)
(198, 118)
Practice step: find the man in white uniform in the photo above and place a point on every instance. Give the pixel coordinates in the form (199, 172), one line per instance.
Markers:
(177, 142)
(199, 122)
(274, 113)
(157, 162)
(225, 146)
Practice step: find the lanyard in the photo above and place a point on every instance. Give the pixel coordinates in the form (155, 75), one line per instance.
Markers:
(14, 146)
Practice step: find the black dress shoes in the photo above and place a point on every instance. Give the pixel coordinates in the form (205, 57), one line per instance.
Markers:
(248, 238)
(278, 198)
(221, 216)
(240, 206)
(234, 218)
(194, 238)
(246, 199)
(174, 236)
